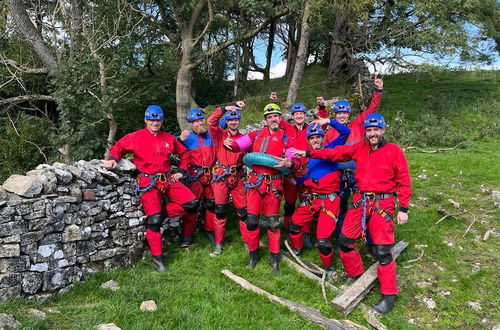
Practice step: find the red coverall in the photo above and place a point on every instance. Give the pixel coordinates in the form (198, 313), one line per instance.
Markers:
(265, 187)
(228, 177)
(380, 174)
(199, 161)
(151, 157)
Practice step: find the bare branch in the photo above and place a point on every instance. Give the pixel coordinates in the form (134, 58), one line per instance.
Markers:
(27, 98)
(19, 67)
(207, 26)
(40, 150)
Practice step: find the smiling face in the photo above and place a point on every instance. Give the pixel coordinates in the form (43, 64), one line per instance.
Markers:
(316, 141)
(198, 126)
(342, 117)
(153, 125)
(273, 121)
(233, 124)
(299, 117)
(374, 135)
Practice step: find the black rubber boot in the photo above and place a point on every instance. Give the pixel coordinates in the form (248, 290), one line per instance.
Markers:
(330, 273)
(211, 236)
(307, 241)
(186, 241)
(254, 258)
(158, 265)
(274, 262)
(385, 304)
(351, 280)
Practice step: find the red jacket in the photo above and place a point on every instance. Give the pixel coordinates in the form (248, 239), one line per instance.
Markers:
(383, 170)
(263, 140)
(296, 137)
(356, 126)
(151, 152)
(224, 156)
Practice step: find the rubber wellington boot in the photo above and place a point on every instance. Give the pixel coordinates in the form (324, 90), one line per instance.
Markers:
(275, 258)
(254, 258)
(385, 304)
(186, 241)
(330, 273)
(158, 265)
(350, 280)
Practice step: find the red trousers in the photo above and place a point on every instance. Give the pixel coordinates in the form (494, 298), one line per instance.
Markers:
(327, 212)
(379, 232)
(201, 192)
(291, 192)
(238, 195)
(177, 194)
(265, 200)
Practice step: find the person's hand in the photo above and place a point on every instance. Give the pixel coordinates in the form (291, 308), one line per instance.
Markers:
(321, 121)
(184, 135)
(228, 142)
(273, 97)
(111, 163)
(175, 177)
(402, 218)
(299, 153)
(240, 104)
(283, 162)
(320, 101)
(378, 82)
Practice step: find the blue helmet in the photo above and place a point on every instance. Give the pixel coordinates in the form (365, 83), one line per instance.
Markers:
(195, 114)
(229, 115)
(374, 120)
(314, 130)
(298, 107)
(342, 105)
(153, 112)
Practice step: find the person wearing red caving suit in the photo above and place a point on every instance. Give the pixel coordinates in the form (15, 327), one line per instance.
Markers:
(228, 172)
(319, 180)
(382, 172)
(264, 186)
(199, 161)
(152, 149)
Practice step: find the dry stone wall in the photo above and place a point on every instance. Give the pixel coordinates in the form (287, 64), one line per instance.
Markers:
(60, 223)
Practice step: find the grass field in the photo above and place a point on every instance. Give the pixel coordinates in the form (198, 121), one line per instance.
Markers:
(454, 270)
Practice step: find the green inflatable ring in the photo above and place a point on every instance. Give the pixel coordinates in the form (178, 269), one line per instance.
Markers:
(260, 158)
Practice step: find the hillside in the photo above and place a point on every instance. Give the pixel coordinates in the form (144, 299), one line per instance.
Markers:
(454, 266)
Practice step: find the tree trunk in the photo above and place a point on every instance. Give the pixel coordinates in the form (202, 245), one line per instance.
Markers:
(31, 35)
(183, 96)
(237, 70)
(269, 51)
(246, 60)
(298, 71)
(338, 53)
(291, 50)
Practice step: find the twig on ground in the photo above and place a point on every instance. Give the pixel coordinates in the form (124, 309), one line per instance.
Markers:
(461, 211)
(434, 151)
(317, 272)
(419, 257)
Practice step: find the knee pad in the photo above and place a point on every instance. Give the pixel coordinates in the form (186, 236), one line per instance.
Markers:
(324, 246)
(293, 228)
(346, 244)
(242, 213)
(289, 209)
(154, 222)
(382, 253)
(210, 204)
(191, 206)
(252, 222)
(274, 224)
(221, 211)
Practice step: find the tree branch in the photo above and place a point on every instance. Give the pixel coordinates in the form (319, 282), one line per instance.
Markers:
(22, 68)
(207, 26)
(27, 98)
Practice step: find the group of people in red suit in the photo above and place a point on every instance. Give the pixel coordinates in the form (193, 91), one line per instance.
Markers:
(316, 167)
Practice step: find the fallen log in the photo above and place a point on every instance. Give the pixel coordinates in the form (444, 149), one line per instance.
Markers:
(305, 311)
(346, 301)
(368, 312)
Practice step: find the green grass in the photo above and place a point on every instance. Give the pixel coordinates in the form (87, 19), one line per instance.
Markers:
(196, 295)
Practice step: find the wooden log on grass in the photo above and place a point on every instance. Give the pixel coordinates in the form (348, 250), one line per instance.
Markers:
(305, 311)
(346, 301)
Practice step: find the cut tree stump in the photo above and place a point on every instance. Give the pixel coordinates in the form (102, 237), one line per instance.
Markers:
(305, 311)
(346, 301)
